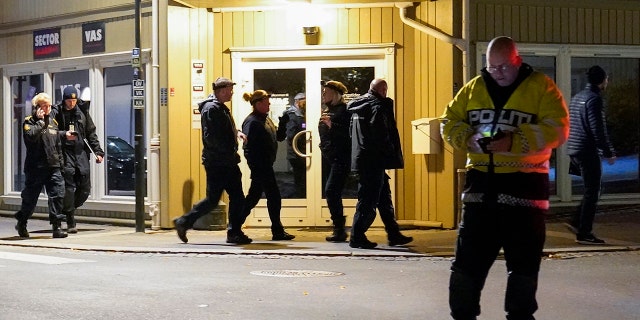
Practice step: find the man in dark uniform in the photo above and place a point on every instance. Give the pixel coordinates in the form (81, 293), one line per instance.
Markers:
(42, 166)
(76, 152)
(220, 159)
(292, 122)
(375, 146)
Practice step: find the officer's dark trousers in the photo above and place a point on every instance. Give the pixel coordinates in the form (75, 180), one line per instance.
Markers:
(53, 183)
(591, 170)
(336, 179)
(373, 192)
(264, 180)
(520, 232)
(219, 179)
(299, 167)
(77, 188)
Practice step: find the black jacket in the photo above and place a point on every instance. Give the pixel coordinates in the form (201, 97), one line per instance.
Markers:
(335, 143)
(261, 146)
(219, 134)
(292, 122)
(588, 127)
(375, 141)
(76, 152)
(43, 142)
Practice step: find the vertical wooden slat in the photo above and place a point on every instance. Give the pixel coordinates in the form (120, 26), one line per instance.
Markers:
(515, 22)
(490, 21)
(375, 35)
(564, 26)
(481, 25)
(498, 21)
(365, 25)
(507, 17)
(618, 26)
(635, 25)
(248, 29)
(524, 25)
(343, 27)
(597, 25)
(588, 27)
(628, 27)
(547, 17)
(580, 26)
(386, 23)
(573, 21)
(354, 26)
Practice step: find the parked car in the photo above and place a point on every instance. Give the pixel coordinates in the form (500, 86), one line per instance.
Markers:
(120, 164)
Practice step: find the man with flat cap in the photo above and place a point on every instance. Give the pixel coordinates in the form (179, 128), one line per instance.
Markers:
(220, 159)
(588, 142)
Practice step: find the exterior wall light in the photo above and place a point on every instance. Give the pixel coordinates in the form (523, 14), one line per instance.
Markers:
(311, 34)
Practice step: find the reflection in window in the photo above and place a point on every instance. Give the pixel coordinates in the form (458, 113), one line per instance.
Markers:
(284, 85)
(119, 129)
(622, 104)
(23, 89)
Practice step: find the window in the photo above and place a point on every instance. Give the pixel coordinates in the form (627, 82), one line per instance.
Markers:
(622, 112)
(23, 89)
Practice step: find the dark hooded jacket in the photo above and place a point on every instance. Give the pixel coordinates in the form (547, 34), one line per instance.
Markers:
(219, 134)
(43, 142)
(77, 152)
(588, 128)
(375, 141)
(335, 143)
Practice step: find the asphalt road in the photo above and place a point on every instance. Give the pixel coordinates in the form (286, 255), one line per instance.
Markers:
(44, 283)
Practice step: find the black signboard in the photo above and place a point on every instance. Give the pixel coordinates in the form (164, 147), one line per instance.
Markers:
(46, 43)
(93, 37)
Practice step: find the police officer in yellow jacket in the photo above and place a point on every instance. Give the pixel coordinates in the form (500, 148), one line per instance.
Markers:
(508, 120)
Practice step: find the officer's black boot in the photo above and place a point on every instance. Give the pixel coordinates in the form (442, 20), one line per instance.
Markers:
(71, 222)
(57, 231)
(339, 235)
(21, 227)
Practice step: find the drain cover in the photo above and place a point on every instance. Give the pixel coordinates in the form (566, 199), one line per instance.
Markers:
(296, 273)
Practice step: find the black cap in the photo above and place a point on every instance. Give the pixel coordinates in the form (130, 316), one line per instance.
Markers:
(69, 92)
(596, 75)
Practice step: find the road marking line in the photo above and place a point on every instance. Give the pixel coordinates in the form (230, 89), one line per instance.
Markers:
(38, 258)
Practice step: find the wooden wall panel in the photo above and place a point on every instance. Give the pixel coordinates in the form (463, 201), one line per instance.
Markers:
(584, 22)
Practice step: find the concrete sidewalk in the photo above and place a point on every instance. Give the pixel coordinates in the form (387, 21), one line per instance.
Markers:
(618, 228)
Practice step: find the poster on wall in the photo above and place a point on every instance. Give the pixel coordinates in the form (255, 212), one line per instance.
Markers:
(198, 93)
(46, 43)
(93, 37)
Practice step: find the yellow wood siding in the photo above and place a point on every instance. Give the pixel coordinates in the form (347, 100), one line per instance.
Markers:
(423, 81)
(583, 22)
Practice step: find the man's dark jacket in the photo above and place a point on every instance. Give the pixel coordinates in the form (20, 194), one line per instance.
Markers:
(76, 152)
(375, 141)
(335, 143)
(42, 139)
(588, 127)
(219, 134)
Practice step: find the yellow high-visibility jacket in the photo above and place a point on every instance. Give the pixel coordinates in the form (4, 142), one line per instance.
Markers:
(536, 113)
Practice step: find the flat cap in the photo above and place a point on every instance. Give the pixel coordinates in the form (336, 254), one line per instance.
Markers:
(222, 82)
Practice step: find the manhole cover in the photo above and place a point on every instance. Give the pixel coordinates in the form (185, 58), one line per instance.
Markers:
(296, 273)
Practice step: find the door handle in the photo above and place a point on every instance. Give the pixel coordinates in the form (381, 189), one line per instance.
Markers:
(294, 144)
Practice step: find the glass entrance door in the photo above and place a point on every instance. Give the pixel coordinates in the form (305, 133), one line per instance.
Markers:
(300, 173)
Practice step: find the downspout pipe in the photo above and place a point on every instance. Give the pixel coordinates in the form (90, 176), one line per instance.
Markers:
(460, 43)
(154, 143)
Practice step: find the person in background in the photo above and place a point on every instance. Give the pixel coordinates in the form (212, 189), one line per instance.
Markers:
(260, 151)
(43, 166)
(375, 147)
(77, 152)
(291, 122)
(220, 159)
(588, 142)
(335, 146)
(508, 120)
